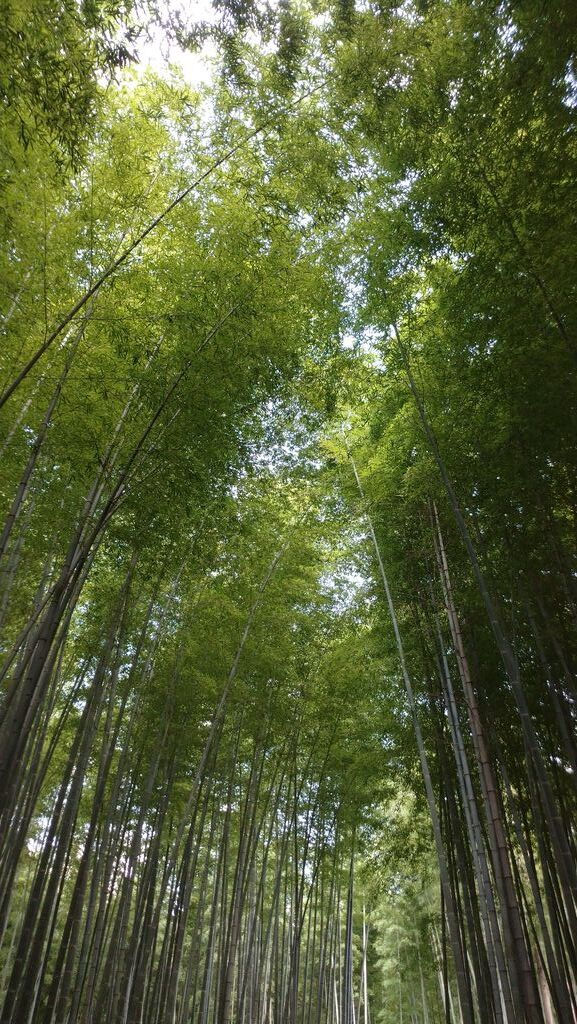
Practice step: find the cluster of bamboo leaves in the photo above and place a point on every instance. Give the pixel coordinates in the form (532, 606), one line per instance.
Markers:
(288, 547)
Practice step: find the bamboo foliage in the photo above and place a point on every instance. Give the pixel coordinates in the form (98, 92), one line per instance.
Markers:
(288, 597)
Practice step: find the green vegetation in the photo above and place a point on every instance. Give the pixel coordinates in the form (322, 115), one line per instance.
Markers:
(288, 526)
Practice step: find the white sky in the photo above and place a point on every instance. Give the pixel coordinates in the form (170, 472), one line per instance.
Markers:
(158, 52)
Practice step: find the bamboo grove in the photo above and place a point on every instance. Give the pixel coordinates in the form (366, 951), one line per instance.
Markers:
(288, 546)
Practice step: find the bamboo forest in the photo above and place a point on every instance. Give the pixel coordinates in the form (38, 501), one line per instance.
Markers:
(288, 512)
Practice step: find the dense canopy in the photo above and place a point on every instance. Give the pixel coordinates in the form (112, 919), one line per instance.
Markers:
(288, 524)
